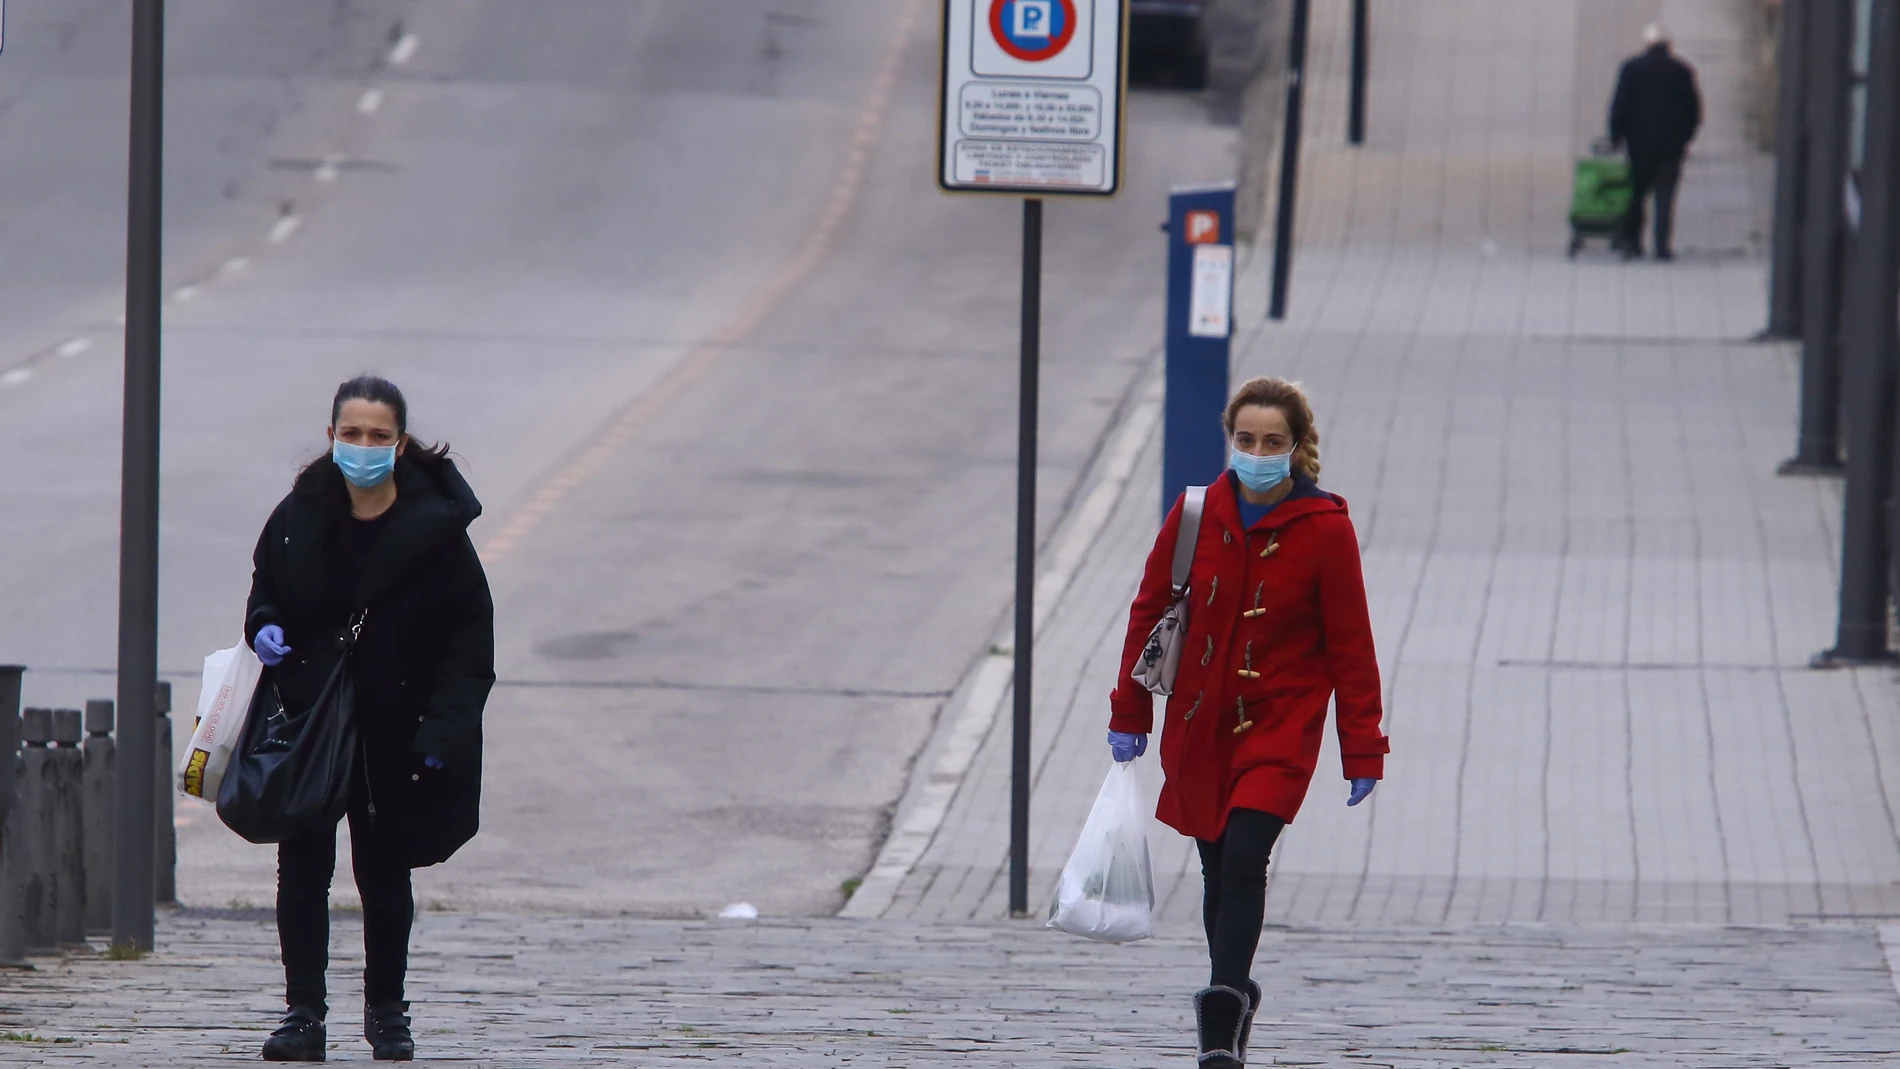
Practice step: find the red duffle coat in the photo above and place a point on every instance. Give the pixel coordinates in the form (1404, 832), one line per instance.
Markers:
(1277, 625)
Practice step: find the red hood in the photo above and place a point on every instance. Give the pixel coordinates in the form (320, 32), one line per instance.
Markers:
(1223, 507)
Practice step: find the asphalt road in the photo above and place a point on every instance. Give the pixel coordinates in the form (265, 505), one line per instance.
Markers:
(737, 385)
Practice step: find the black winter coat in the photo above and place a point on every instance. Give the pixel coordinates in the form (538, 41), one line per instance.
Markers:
(1657, 108)
(425, 660)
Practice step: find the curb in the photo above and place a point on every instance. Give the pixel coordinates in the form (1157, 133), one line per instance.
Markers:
(985, 688)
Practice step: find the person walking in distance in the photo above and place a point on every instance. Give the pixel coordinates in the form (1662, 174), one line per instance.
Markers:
(1653, 116)
(1277, 626)
(375, 532)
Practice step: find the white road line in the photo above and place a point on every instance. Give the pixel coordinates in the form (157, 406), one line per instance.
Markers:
(370, 102)
(235, 264)
(1890, 940)
(74, 346)
(990, 684)
(328, 170)
(281, 230)
(186, 293)
(16, 376)
(403, 50)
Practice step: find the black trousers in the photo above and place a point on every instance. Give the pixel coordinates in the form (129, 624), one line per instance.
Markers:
(1658, 175)
(1234, 893)
(305, 866)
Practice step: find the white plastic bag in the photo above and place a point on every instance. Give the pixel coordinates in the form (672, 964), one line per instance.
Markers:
(1107, 891)
(230, 679)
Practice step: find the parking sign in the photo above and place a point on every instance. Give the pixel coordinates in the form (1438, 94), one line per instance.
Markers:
(1032, 96)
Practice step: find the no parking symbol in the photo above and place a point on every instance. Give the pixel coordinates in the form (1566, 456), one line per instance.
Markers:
(1033, 38)
(1033, 30)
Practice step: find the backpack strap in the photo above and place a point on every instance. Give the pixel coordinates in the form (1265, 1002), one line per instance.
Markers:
(1192, 504)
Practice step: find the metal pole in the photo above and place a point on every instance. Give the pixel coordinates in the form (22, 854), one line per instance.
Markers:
(1871, 332)
(1791, 149)
(1356, 110)
(1289, 159)
(1025, 556)
(132, 912)
(1818, 450)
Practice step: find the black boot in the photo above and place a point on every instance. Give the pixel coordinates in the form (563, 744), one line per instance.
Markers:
(1218, 1013)
(1254, 995)
(387, 1028)
(300, 1038)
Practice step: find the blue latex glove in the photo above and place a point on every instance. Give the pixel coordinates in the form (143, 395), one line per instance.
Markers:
(269, 645)
(1126, 745)
(430, 761)
(1360, 789)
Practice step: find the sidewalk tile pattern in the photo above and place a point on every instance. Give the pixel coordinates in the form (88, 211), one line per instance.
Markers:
(1594, 600)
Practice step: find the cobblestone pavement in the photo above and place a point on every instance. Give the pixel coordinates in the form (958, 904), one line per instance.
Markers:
(520, 991)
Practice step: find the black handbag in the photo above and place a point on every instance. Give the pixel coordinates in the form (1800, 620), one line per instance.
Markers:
(291, 772)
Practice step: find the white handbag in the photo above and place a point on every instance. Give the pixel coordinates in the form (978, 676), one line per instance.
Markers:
(1161, 656)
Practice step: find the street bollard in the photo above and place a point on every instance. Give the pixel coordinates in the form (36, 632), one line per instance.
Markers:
(32, 821)
(100, 758)
(165, 838)
(12, 932)
(67, 822)
(9, 734)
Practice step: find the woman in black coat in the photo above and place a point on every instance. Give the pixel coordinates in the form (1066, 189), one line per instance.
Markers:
(378, 527)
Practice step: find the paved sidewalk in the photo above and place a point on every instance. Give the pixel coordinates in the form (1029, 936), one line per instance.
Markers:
(1594, 600)
(531, 991)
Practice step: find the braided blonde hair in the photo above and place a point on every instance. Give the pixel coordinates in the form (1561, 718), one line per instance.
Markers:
(1292, 403)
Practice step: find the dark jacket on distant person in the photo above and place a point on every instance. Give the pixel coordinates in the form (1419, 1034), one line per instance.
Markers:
(1657, 108)
(425, 660)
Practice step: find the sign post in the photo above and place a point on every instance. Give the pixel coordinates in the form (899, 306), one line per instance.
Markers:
(1356, 104)
(132, 903)
(1200, 326)
(1032, 94)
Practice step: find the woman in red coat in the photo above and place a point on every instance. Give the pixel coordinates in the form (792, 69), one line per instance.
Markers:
(1277, 625)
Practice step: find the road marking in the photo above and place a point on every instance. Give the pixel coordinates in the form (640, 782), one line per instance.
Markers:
(370, 102)
(74, 346)
(235, 264)
(16, 376)
(281, 230)
(688, 371)
(1890, 941)
(989, 684)
(403, 50)
(186, 293)
(328, 170)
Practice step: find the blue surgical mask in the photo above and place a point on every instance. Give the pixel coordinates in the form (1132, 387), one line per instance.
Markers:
(1260, 474)
(364, 465)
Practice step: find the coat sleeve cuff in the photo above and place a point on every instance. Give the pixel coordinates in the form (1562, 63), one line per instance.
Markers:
(1131, 712)
(260, 618)
(444, 743)
(1369, 766)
